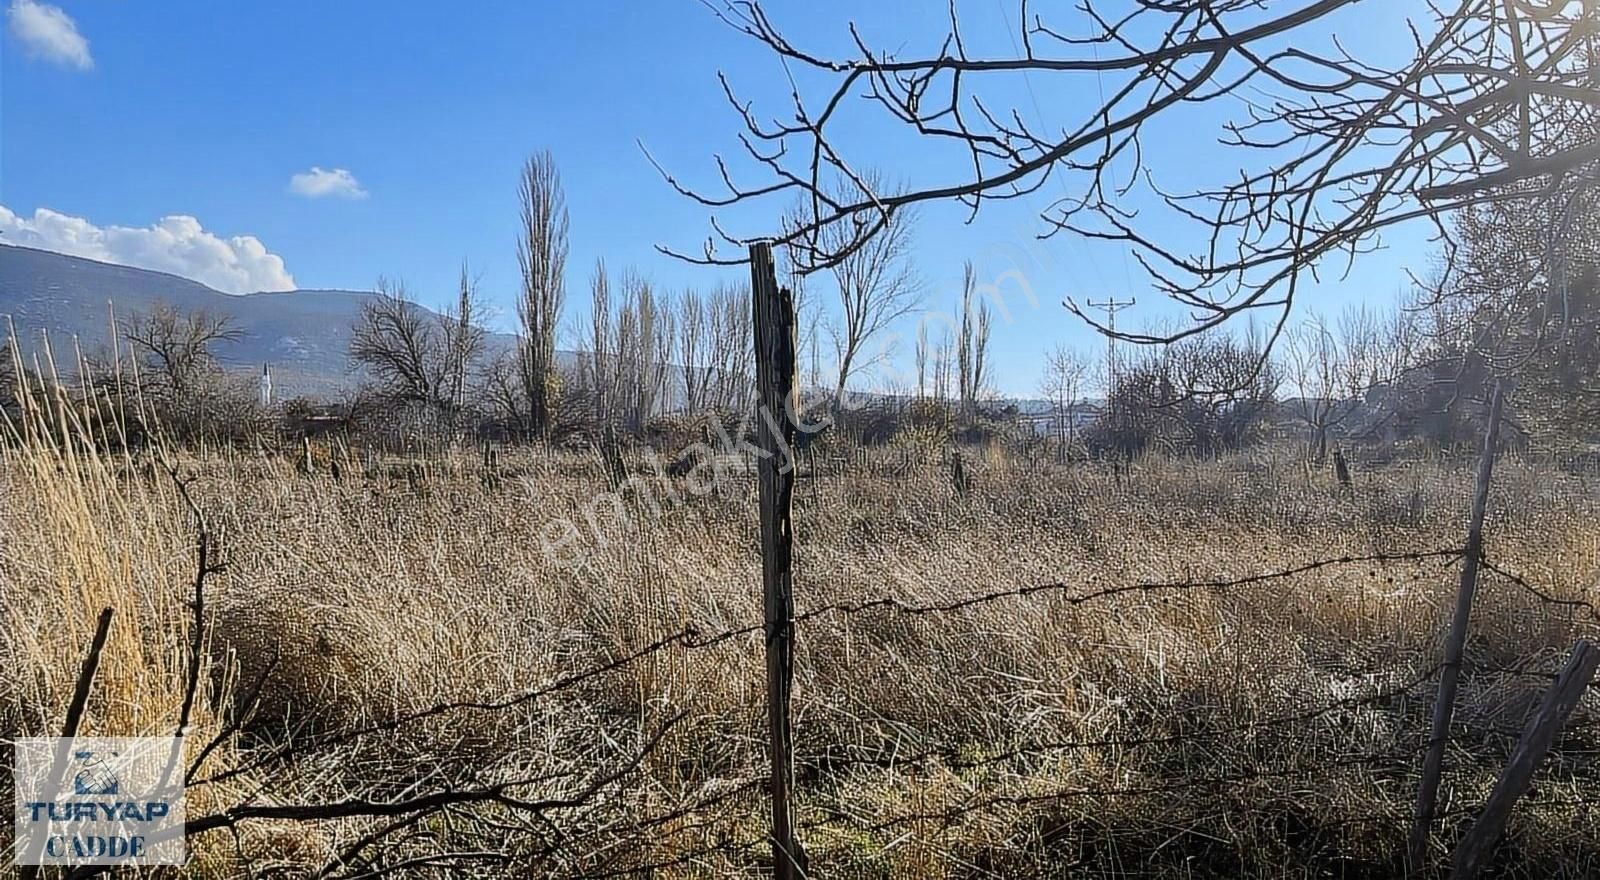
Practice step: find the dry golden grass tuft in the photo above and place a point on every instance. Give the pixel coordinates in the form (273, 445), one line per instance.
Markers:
(1263, 729)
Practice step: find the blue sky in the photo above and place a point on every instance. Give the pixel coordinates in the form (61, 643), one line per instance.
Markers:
(209, 111)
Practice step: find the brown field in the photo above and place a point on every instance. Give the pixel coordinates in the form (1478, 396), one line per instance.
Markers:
(1194, 725)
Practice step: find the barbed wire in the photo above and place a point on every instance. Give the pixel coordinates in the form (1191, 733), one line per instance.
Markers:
(682, 818)
(1542, 595)
(956, 763)
(1397, 759)
(1065, 595)
(691, 637)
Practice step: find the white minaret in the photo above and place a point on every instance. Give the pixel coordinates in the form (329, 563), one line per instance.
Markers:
(266, 386)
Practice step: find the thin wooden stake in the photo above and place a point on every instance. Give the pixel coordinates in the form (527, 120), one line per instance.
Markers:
(775, 368)
(69, 729)
(91, 663)
(1455, 646)
(1537, 736)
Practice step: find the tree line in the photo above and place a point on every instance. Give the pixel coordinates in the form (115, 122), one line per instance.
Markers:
(1507, 300)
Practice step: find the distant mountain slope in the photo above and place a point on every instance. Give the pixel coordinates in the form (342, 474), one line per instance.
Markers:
(303, 334)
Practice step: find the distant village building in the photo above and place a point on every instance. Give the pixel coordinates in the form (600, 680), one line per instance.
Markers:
(1046, 422)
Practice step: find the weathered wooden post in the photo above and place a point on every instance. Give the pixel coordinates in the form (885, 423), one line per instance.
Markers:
(339, 457)
(1341, 468)
(775, 368)
(1454, 647)
(611, 454)
(1537, 736)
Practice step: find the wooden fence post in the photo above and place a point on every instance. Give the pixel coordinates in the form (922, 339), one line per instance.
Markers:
(773, 310)
(1454, 647)
(611, 454)
(958, 474)
(1341, 468)
(1537, 736)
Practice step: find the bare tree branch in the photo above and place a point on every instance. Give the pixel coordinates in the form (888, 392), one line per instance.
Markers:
(1333, 148)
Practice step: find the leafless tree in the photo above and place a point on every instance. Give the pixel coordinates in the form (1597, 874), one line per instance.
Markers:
(179, 381)
(944, 361)
(656, 330)
(1203, 394)
(1400, 345)
(466, 341)
(501, 388)
(542, 255)
(1225, 386)
(1517, 297)
(602, 363)
(628, 369)
(401, 347)
(1065, 369)
(972, 345)
(174, 348)
(1333, 148)
(920, 358)
(416, 360)
(1382, 345)
(1335, 369)
(1317, 367)
(876, 285)
(691, 324)
(635, 351)
(732, 356)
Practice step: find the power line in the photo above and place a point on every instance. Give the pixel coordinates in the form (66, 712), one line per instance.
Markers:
(1038, 112)
(1111, 307)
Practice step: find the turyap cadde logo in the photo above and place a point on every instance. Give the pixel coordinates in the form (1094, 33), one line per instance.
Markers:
(95, 777)
(99, 801)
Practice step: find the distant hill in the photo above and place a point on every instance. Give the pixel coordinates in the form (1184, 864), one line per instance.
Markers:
(303, 334)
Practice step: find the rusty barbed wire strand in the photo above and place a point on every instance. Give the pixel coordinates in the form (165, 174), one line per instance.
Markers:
(690, 637)
(677, 821)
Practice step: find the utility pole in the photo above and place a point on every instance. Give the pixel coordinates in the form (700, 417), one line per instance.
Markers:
(1111, 307)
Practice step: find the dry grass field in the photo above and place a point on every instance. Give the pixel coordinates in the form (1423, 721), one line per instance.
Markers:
(1225, 671)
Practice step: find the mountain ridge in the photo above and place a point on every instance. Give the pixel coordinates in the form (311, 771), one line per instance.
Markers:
(304, 335)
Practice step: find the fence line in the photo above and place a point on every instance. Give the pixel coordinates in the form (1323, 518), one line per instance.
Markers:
(1522, 583)
(691, 638)
(677, 820)
(1409, 686)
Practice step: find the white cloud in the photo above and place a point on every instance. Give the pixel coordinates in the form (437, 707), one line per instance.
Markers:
(49, 33)
(176, 243)
(325, 182)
